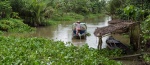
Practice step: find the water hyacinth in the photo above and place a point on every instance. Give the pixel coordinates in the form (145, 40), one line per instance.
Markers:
(40, 51)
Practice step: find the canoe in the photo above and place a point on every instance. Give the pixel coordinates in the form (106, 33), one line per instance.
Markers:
(113, 44)
(82, 32)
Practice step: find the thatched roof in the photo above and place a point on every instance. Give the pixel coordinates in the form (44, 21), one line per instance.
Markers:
(108, 29)
(117, 21)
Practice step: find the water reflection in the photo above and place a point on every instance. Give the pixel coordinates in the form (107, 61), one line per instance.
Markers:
(100, 22)
(78, 42)
(63, 33)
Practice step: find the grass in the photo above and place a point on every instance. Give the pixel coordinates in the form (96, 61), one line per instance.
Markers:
(65, 17)
(93, 15)
(70, 17)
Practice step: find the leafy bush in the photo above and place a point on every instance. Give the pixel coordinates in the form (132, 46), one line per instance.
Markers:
(146, 29)
(132, 13)
(147, 58)
(5, 9)
(14, 25)
(40, 51)
(1, 32)
(114, 5)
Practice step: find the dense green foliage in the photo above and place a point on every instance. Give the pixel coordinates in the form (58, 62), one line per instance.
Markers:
(129, 9)
(146, 29)
(5, 9)
(44, 12)
(14, 25)
(147, 58)
(35, 12)
(37, 51)
(114, 5)
(135, 10)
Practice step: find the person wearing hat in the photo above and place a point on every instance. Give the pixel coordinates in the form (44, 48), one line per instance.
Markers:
(78, 27)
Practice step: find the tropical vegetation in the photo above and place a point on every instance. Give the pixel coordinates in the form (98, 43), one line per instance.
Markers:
(14, 25)
(135, 10)
(23, 15)
(46, 12)
(36, 12)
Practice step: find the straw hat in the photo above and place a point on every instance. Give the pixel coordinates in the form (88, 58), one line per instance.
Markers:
(78, 22)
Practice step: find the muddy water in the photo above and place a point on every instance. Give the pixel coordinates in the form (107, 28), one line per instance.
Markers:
(63, 32)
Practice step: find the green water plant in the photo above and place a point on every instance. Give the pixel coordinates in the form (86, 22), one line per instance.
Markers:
(41, 51)
(88, 34)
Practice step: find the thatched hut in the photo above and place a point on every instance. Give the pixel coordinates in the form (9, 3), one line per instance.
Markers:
(99, 32)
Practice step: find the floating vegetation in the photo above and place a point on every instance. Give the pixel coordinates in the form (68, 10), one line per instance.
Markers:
(88, 34)
(40, 51)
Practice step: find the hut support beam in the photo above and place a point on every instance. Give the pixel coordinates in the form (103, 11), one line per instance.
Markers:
(135, 39)
(100, 43)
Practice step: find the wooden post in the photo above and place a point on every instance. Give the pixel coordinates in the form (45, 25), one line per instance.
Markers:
(135, 41)
(100, 43)
(132, 38)
(139, 36)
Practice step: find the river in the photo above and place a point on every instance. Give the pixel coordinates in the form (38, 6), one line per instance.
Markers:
(63, 32)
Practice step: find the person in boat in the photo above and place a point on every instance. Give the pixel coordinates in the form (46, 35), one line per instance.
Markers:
(78, 27)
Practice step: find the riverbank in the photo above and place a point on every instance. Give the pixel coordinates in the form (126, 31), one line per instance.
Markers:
(18, 26)
(14, 26)
(71, 17)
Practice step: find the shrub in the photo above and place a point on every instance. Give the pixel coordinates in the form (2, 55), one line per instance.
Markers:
(14, 25)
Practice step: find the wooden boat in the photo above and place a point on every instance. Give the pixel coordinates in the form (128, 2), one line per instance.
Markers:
(82, 32)
(113, 44)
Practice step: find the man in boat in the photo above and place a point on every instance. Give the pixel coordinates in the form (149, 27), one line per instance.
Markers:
(78, 27)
